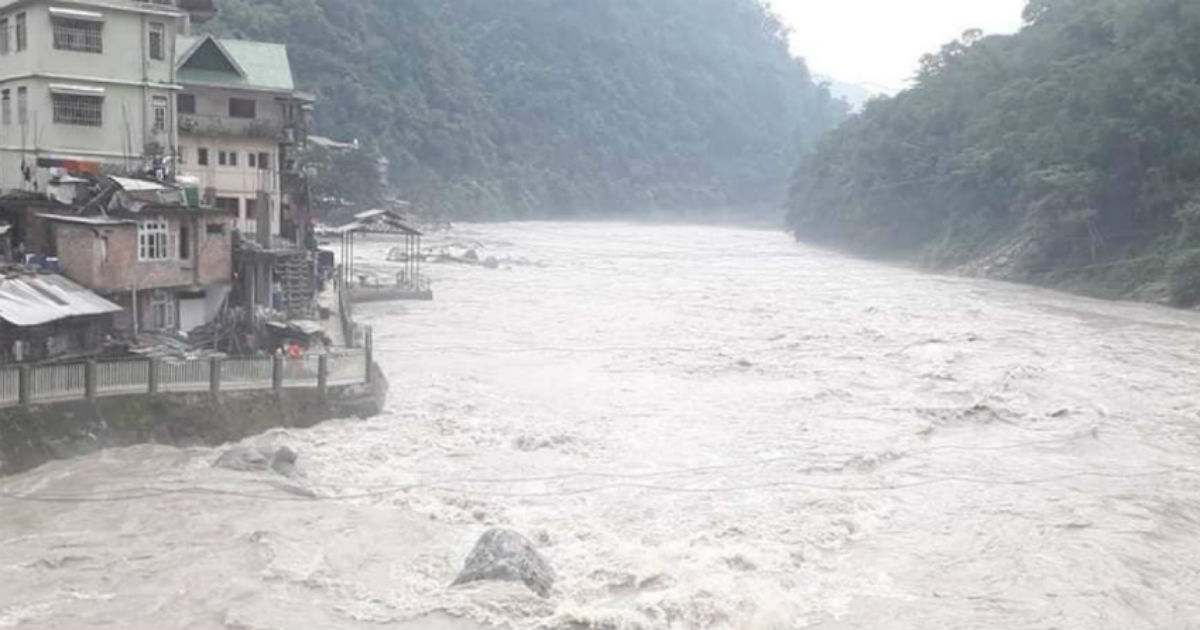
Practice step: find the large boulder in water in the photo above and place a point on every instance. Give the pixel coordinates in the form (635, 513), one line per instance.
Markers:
(245, 459)
(503, 555)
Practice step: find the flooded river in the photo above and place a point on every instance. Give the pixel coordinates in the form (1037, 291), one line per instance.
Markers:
(700, 427)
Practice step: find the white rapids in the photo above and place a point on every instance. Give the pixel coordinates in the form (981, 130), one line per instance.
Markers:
(700, 427)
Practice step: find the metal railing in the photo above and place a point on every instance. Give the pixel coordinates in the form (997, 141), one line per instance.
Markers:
(246, 374)
(57, 383)
(27, 385)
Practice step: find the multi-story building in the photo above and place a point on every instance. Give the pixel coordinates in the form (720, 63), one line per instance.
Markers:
(89, 85)
(240, 119)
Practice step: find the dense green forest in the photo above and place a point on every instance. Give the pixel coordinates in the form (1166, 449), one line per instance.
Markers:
(1067, 154)
(517, 108)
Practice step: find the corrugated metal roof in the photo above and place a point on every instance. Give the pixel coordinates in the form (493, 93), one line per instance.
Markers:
(36, 299)
(264, 65)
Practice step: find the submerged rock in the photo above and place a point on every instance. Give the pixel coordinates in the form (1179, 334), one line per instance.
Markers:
(503, 555)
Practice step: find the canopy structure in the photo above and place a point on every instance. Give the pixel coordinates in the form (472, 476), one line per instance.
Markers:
(386, 222)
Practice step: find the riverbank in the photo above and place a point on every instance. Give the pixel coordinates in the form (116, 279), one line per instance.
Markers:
(32, 435)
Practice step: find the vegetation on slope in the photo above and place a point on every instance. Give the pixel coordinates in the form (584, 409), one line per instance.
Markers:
(1069, 152)
(513, 108)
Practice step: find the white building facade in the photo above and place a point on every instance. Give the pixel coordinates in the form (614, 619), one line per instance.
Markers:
(88, 86)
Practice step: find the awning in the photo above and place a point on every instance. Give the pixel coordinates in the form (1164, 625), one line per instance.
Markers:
(80, 90)
(36, 299)
(76, 14)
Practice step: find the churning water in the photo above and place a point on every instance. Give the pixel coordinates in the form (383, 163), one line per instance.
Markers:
(700, 427)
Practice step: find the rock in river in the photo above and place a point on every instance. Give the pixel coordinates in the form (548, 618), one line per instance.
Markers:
(245, 459)
(505, 556)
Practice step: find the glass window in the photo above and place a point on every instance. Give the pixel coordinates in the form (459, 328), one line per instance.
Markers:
(6, 108)
(22, 105)
(233, 158)
(22, 34)
(156, 241)
(159, 104)
(158, 34)
(4, 36)
(202, 156)
(222, 158)
(252, 160)
(162, 310)
(264, 161)
(77, 109)
(81, 35)
(185, 103)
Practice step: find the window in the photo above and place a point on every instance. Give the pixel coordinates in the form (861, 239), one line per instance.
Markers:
(22, 34)
(159, 105)
(158, 34)
(22, 106)
(264, 161)
(202, 156)
(241, 108)
(251, 156)
(72, 34)
(156, 241)
(215, 229)
(162, 310)
(251, 209)
(185, 103)
(233, 158)
(77, 109)
(228, 205)
(222, 158)
(3, 36)
(185, 244)
(6, 108)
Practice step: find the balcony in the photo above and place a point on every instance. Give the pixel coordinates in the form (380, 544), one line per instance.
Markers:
(226, 127)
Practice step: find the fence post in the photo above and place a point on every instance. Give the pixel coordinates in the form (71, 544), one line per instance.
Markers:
(214, 376)
(368, 350)
(277, 373)
(89, 379)
(153, 376)
(24, 385)
(322, 373)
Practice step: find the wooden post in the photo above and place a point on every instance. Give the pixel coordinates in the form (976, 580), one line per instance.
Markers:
(153, 384)
(25, 385)
(214, 376)
(89, 379)
(277, 373)
(368, 350)
(323, 374)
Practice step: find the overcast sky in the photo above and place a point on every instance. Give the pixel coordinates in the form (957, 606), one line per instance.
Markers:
(877, 42)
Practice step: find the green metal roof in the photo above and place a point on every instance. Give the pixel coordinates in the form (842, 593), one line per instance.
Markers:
(240, 63)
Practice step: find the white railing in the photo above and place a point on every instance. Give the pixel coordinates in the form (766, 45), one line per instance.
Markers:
(10, 387)
(184, 376)
(56, 383)
(347, 368)
(247, 374)
(121, 378)
(303, 371)
(59, 383)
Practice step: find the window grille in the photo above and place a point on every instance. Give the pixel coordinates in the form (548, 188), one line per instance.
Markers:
(160, 113)
(157, 39)
(78, 109)
(81, 35)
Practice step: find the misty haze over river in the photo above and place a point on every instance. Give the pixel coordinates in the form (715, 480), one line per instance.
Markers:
(699, 427)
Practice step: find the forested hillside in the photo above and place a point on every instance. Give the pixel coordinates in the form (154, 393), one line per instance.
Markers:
(514, 108)
(1066, 154)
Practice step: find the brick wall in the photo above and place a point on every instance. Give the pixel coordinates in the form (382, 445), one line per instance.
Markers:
(105, 259)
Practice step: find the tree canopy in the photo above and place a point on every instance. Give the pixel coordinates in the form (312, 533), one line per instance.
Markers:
(517, 108)
(1071, 145)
